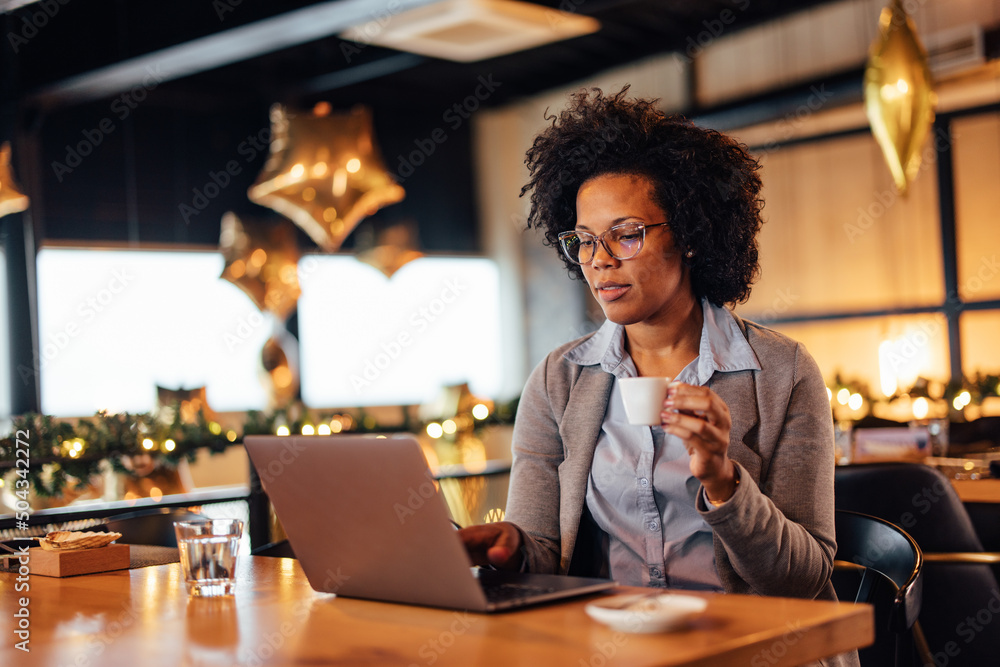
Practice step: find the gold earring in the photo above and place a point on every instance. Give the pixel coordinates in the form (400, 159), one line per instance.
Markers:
(689, 254)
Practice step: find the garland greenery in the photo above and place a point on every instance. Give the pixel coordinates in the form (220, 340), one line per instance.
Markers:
(957, 395)
(60, 453)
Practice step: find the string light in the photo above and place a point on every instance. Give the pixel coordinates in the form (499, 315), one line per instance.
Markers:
(283, 430)
(844, 395)
(435, 430)
(480, 411)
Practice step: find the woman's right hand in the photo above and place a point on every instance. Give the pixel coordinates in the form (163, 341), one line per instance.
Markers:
(496, 544)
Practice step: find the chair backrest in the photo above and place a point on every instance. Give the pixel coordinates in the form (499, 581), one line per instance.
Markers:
(922, 501)
(887, 575)
(150, 526)
(877, 545)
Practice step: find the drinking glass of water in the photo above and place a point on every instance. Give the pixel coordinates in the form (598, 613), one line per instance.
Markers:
(208, 555)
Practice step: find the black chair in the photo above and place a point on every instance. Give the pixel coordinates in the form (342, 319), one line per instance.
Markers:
(152, 526)
(958, 583)
(878, 563)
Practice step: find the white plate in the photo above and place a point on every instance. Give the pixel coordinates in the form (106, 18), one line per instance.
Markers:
(646, 612)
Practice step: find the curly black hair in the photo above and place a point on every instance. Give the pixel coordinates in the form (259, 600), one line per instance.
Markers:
(706, 183)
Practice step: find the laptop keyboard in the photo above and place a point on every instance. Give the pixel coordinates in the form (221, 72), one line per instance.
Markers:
(504, 592)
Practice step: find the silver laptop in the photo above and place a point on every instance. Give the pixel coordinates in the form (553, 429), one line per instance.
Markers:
(365, 520)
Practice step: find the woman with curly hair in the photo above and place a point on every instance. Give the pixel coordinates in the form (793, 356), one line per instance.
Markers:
(733, 491)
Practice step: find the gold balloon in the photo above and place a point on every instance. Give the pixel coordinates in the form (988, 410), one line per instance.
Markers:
(12, 200)
(324, 173)
(278, 369)
(190, 402)
(393, 248)
(262, 260)
(899, 98)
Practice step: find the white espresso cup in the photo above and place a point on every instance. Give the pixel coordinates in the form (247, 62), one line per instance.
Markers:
(643, 398)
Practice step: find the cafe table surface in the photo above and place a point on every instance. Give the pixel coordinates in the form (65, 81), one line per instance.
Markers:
(978, 490)
(144, 617)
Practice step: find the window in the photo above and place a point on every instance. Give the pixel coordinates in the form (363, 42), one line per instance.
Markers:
(113, 324)
(867, 278)
(977, 201)
(370, 340)
(837, 237)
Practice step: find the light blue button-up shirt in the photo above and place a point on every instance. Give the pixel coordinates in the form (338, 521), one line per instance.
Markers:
(641, 491)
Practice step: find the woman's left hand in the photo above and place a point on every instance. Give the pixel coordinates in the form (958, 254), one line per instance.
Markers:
(699, 417)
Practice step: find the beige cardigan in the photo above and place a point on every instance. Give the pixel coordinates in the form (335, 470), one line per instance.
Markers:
(775, 536)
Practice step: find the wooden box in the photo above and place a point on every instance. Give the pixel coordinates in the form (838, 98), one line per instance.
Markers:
(81, 561)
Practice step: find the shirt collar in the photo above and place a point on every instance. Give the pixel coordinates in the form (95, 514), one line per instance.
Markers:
(723, 346)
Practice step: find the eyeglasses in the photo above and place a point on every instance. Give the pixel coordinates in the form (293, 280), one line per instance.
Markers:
(621, 241)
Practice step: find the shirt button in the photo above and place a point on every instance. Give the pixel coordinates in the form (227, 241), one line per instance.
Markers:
(644, 482)
(653, 525)
(654, 572)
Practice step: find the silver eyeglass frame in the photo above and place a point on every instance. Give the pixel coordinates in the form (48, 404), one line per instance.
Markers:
(600, 238)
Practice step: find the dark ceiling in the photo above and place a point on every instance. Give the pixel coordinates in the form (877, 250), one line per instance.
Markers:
(218, 65)
(72, 38)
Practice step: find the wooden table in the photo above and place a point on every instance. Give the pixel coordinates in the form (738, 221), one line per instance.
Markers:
(144, 617)
(977, 490)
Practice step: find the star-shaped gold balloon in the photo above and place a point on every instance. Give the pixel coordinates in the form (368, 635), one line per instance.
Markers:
(12, 200)
(262, 260)
(899, 98)
(324, 173)
(393, 248)
(190, 402)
